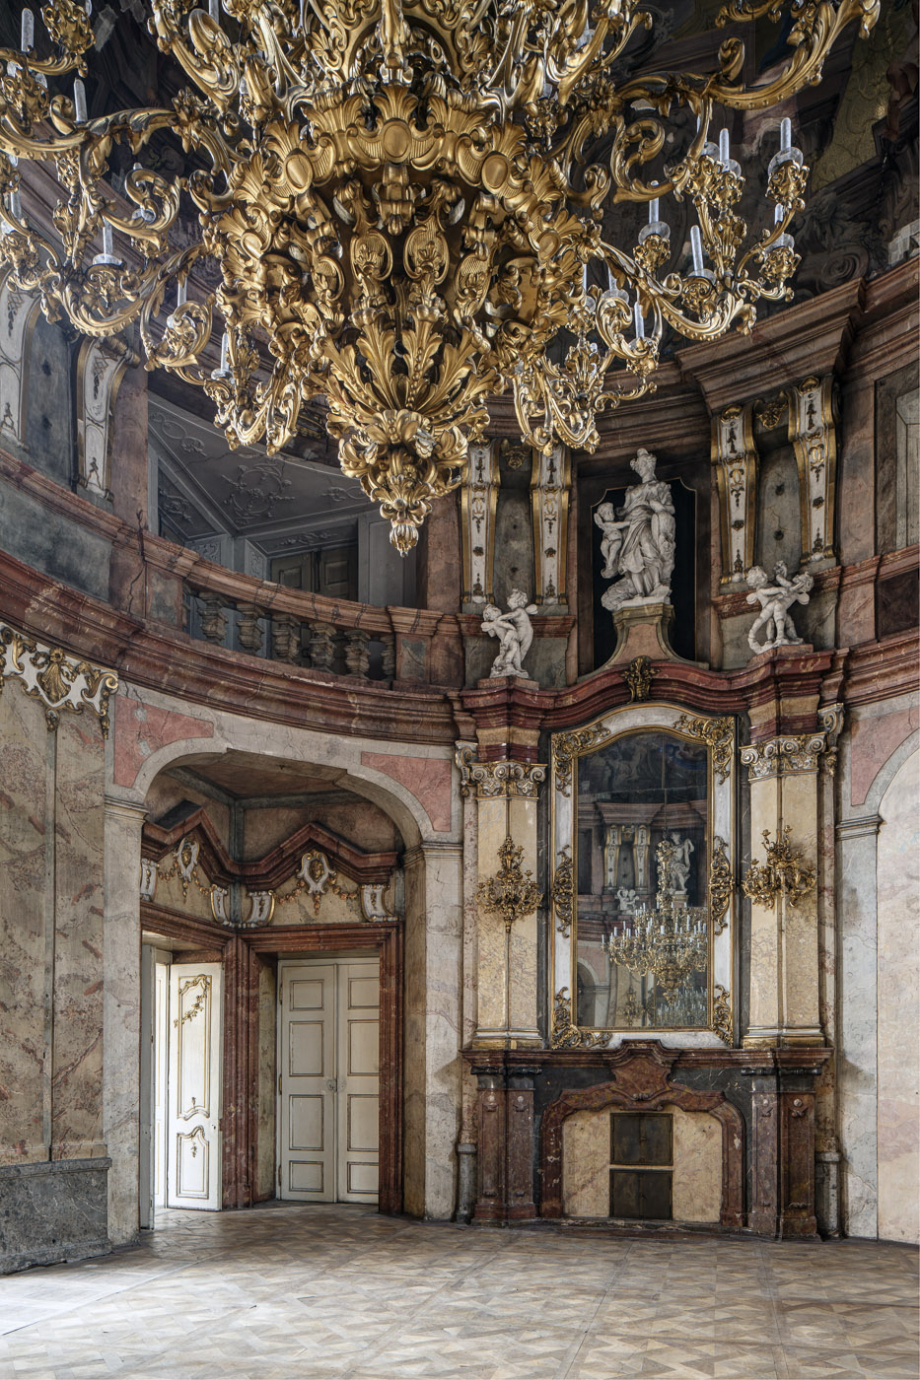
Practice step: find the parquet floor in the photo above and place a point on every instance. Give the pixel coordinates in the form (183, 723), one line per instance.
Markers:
(288, 1292)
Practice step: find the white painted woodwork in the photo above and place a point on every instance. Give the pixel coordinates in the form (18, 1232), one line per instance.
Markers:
(146, 1117)
(358, 1047)
(160, 1081)
(329, 1081)
(194, 1140)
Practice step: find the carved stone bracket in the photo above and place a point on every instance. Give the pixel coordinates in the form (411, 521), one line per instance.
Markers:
(784, 756)
(492, 780)
(734, 457)
(479, 499)
(550, 485)
(813, 435)
(719, 737)
(565, 1034)
(60, 682)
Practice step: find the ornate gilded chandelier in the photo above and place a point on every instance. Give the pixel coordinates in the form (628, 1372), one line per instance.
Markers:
(400, 200)
(667, 943)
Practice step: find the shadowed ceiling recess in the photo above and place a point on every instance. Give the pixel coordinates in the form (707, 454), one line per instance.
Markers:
(404, 201)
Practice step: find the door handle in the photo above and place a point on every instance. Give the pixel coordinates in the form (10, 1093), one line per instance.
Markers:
(331, 1085)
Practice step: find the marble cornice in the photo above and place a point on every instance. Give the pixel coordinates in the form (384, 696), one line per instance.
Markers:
(755, 1063)
(858, 827)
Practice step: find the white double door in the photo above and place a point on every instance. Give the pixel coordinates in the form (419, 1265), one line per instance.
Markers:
(329, 1082)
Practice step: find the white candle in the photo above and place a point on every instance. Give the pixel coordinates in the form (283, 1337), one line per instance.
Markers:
(214, 10)
(225, 354)
(639, 322)
(653, 211)
(584, 278)
(778, 213)
(181, 292)
(79, 102)
(27, 34)
(785, 135)
(107, 241)
(696, 249)
(725, 152)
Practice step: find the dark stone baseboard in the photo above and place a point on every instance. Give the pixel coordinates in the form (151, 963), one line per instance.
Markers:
(52, 1211)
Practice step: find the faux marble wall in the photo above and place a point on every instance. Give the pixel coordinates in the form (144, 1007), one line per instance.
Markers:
(697, 1151)
(898, 988)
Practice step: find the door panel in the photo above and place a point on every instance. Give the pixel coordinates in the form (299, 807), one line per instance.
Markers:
(194, 1141)
(359, 1081)
(329, 1087)
(307, 1083)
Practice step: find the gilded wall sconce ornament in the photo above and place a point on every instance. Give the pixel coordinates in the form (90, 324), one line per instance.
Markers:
(511, 892)
(638, 676)
(783, 876)
(719, 737)
(563, 891)
(403, 201)
(721, 885)
(564, 1033)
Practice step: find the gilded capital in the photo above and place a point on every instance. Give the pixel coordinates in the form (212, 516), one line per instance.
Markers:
(787, 755)
(498, 780)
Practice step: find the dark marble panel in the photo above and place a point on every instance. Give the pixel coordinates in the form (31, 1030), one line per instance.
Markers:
(52, 1211)
(898, 603)
(54, 544)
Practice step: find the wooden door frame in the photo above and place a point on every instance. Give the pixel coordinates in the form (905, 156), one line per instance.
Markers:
(242, 954)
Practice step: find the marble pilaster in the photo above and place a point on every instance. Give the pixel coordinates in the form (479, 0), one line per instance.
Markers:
(784, 982)
(121, 961)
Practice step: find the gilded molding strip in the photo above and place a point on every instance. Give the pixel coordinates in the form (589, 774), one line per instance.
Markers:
(492, 780)
(568, 746)
(566, 1035)
(719, 737)
(722, 1019)
(550, 485)
(734, 457)
(721, 885)
(563, 891)
(813, 434)
(60, 682)
(478, 503)
(784, 756)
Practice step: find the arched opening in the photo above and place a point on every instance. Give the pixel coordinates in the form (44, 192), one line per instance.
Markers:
(273, 909)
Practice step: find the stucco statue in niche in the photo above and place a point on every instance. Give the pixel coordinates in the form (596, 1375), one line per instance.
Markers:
(638, 542)
(514, 631)
(775, 602)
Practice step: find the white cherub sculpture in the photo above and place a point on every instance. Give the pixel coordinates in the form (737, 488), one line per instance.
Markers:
(775, 602)
(514, 631)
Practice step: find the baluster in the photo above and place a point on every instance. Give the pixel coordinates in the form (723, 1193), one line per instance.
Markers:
(357, 657)
(388, 656)
(286, 638)
(212, 617)
(248, 629)
(322, 646)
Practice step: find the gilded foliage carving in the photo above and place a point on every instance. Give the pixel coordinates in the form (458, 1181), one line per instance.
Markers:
(62, 683)
(719, 737)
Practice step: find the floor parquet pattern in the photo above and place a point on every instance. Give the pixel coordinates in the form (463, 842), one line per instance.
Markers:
(289, 1292)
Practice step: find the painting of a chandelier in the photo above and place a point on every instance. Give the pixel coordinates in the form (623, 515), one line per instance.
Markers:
(401, 202)
(669, 942)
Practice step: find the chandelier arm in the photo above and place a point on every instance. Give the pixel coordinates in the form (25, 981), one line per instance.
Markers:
(212, 66)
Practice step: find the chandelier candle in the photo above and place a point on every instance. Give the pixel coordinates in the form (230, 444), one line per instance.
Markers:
(400, 201)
